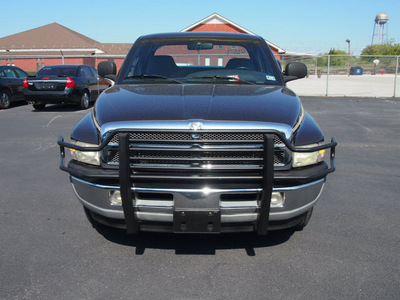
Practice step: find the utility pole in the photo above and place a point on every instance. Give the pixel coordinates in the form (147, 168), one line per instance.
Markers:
(348, 42)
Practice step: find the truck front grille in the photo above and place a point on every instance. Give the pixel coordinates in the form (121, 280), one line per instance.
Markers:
(210, 154)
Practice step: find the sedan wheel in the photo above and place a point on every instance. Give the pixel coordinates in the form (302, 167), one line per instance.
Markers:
(84, 100)
(4, 99)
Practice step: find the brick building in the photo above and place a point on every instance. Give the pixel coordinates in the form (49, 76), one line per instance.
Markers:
(55, 44)
(217, 23)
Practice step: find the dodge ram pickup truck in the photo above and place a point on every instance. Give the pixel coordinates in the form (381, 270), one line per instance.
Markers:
(199, 134)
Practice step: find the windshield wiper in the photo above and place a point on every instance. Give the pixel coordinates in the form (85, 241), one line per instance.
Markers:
(232, 79)
(152, 76)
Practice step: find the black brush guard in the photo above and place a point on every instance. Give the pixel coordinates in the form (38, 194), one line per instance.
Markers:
(203, 219)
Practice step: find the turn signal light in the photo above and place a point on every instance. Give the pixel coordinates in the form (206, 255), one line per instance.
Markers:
(70, 83)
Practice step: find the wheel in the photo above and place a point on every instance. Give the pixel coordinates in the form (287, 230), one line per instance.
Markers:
(91, 220)
(39, 106)
(84, 104)
(5, 99)
(304, 221)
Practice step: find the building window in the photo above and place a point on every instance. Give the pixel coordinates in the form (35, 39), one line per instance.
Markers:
(10, 62)
(207, 61)
(220, 61)
(40, 65)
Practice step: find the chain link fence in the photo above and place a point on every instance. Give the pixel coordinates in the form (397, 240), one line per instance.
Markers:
(328, 75)
(345, 75)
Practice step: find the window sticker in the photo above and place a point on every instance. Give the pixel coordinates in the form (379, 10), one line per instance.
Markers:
(270, 77)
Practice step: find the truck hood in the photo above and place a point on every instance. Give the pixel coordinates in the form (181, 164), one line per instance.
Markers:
(177, 102)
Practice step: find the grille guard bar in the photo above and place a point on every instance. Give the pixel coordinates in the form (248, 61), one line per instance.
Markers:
(132, 223)
(105, 142)
(332, 146)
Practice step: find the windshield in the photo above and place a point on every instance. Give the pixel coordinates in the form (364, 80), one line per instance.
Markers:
(57, 71)
(201, 61)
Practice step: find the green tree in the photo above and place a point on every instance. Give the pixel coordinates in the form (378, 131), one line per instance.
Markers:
(334, 60)
(386, 49)
(377, 50)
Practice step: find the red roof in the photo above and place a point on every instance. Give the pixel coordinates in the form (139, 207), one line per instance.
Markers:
(51, 36)
(218, 23)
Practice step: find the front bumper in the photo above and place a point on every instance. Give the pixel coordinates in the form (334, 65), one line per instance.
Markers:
(222, 209)
(157, 206)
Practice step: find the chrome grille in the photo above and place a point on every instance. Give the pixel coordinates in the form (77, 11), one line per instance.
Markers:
(196, 151)
(169, 137)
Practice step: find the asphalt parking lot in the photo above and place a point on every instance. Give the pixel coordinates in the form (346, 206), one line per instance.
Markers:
(349, 250)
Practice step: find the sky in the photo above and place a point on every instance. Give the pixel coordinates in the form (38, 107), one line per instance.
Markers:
(304, 26)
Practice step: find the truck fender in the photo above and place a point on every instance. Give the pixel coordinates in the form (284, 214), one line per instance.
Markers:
(86, 131)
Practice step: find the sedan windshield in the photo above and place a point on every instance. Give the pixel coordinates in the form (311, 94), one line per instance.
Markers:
(201, 61)
(57, 71)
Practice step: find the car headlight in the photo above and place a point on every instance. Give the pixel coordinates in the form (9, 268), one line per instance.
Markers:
(88, 157)
(301, 159)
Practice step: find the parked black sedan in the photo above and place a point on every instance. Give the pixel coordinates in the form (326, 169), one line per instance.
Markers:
(79, 84)
(11, 81)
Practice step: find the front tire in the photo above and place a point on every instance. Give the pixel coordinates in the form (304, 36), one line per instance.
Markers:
(306, 218)
(85, 101)
(5, 101)
(92, 220)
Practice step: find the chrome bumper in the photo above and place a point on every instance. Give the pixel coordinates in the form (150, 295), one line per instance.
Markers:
(149, 207)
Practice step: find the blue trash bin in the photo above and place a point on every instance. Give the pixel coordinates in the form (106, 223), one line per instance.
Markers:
(356, 71)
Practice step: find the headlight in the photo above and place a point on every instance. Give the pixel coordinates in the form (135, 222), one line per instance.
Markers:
(301, 159)
(88, 157)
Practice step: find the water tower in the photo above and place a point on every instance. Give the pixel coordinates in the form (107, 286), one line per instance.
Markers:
(381, 30)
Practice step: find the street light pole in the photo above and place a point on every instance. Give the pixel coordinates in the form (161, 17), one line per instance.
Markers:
(348, 42)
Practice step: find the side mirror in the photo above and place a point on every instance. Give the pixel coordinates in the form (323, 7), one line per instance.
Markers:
(294, 70)
(107, 69)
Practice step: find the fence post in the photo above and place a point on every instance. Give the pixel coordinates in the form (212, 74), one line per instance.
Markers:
(327, 76)
(395, 76)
